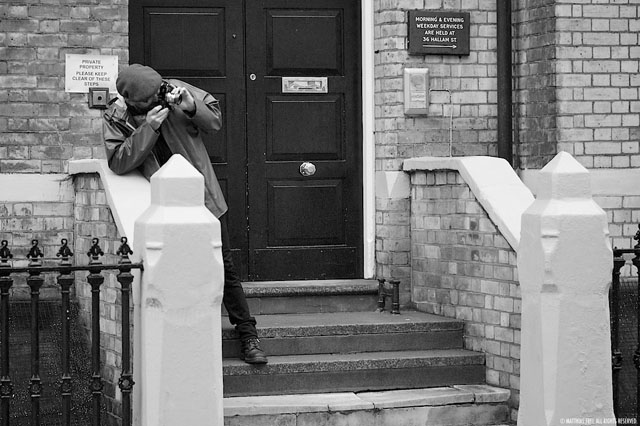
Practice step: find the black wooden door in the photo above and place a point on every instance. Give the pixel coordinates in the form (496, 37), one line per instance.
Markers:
(283, 225)
(304, 226)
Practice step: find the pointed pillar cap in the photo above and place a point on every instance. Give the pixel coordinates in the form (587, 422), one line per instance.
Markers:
(564, 177)
(177, 184)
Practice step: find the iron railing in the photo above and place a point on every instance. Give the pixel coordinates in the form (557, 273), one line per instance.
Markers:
(65, 280)
(624, 305)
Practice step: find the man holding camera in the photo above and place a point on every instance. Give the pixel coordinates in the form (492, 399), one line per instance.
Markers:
(154, 119)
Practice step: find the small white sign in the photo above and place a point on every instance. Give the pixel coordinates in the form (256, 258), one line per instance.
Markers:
(85, 71)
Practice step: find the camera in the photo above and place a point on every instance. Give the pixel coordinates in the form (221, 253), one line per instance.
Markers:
(166, 98)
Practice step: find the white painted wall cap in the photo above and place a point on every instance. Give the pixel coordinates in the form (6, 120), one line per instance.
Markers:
(128, 195)
(493, 182)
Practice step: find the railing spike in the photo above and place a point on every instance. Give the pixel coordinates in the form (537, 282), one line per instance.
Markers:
(64, 252)
(5, 253)
(35, 251)
(124, 250)
(95, 251)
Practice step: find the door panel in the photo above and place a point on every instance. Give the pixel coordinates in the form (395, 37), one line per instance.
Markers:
(298, 217)
(292, 119)
(202, 43)
(282, 225)
(173, 49)
(304, 40)
(304, 227)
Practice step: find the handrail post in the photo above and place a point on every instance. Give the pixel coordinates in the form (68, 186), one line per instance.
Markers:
(180, 347)
(564, 266)
(95, 280)
(614, 306)
(636, 354)
(125, 383)
(35, 282)
(65, 279)
(6, 387)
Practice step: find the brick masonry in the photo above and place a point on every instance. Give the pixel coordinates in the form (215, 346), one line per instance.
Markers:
(46, 221)
(393, 243)
(623, 216)
(534, 82)
(462, 267)
(578, 81)
(93, 219)
(42, 126)
(464, 86)
(575, 83)
(575, 73)
(597, 74)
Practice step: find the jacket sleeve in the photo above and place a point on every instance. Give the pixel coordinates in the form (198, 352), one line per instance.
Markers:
(208, 117)
(126, 152)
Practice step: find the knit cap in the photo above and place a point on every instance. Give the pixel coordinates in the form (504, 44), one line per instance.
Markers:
(138, 82)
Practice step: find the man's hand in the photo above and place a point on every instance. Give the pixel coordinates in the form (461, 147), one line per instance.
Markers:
(188, 104)
(156, 116)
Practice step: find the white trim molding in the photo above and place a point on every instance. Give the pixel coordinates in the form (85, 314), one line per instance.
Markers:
(368, 140)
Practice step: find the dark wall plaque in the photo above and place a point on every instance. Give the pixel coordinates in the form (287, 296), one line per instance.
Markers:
(438, 33)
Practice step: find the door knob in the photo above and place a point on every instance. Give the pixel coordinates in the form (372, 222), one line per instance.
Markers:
(252, 77)
(307, 169)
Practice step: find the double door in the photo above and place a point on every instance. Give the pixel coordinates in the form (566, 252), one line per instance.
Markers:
(288, 157)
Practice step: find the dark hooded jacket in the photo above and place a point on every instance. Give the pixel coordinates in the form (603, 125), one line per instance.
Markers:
(130, 145)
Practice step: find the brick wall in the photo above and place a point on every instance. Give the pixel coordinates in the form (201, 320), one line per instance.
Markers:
(93, 219)
(534, 82)
(597, 66)
(623, 216)
(46, 221)
(471, 80)
(41, 125)
(577, 68)
(472, 84)
(393, 243)
(464, 268)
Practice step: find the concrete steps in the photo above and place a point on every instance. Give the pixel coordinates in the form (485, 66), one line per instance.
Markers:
(284, 297)
(333, 360)
(351, 351)
(345, 332)
(353, 372)
(451, 405)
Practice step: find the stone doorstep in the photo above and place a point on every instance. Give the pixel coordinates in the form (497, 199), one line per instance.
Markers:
(345, 323)
(349, 401)
(310, 288)
(358, 361)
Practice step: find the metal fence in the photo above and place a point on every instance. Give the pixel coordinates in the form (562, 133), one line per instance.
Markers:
(624, 304)
(65, 279)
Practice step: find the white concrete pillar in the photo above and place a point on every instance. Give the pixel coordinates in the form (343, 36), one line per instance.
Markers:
(564, 265)
(178, 339)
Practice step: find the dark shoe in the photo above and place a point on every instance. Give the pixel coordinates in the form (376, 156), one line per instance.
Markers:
(252, 353)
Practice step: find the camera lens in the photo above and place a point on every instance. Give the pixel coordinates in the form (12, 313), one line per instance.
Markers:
(173, 99)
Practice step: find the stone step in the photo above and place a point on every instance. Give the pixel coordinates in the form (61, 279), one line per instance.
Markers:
(453, 405)
(353, 372)
(347, 332)
(283, 297)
